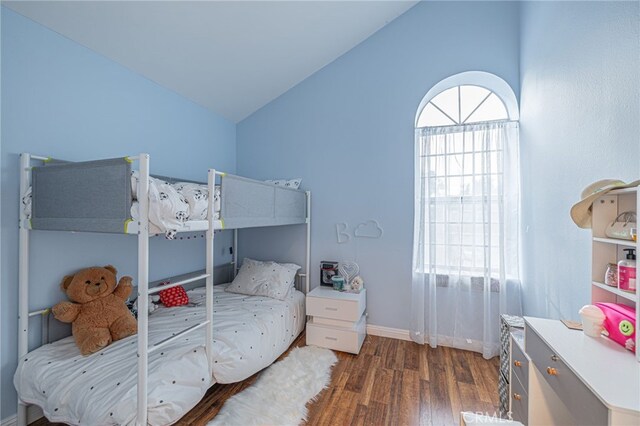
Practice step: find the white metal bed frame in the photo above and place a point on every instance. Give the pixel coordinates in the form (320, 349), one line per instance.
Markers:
(143, 277)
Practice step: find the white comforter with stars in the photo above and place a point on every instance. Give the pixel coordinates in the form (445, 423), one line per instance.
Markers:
(250, 332)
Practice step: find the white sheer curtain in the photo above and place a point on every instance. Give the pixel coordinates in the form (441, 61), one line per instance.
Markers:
(466, 234)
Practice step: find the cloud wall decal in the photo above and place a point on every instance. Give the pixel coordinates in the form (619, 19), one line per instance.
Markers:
(369, 229)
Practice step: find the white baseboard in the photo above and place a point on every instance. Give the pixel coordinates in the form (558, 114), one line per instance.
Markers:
(33, 413)
(393, 333)
(9, 421)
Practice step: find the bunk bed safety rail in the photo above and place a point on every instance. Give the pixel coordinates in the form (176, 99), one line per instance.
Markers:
(159, 288)
(66, 196)
(248, 203)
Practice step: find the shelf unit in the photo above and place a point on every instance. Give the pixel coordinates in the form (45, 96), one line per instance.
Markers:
(610, 250)
(619, 293)
(616, 241)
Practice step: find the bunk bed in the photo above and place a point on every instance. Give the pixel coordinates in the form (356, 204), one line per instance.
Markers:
(65, 196)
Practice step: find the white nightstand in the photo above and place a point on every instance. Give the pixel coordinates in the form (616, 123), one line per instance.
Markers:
(337, 319)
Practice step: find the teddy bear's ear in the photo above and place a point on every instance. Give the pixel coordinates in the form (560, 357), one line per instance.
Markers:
(66, 282)
(112, 269)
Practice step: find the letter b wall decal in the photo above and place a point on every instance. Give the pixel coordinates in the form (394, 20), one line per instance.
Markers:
(341, 232)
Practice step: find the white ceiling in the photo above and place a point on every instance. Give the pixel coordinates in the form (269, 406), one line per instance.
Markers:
(232, 57)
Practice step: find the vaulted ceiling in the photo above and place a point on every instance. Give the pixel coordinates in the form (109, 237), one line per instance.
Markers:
(232, 57)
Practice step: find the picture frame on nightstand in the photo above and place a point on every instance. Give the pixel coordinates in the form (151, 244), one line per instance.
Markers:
(328, 269)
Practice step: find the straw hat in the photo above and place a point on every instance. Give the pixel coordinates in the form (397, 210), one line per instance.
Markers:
(581, 211)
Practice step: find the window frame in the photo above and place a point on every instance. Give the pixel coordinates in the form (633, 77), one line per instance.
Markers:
(470, 271)
(474, 78)
(460, 121)
(494, 86)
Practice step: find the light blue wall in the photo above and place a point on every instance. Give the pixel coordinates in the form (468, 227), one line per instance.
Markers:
(580, 92)
(348, 132)
(63, 100)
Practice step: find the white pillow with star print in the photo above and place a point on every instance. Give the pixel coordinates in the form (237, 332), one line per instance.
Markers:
(268, 279)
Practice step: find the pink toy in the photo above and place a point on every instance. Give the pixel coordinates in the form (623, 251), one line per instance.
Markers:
(620, 324)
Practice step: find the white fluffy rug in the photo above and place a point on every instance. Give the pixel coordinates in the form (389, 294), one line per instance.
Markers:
(280, 394)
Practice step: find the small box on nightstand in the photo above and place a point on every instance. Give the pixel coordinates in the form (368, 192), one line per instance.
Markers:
(338, 320)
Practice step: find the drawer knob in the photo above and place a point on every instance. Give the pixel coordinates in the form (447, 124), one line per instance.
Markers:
(552, 371)
(331, 309)
(331, 338)
(517, 396)
(517, 363)
(554, 358)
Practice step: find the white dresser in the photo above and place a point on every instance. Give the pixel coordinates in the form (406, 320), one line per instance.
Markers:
(563, 377)
(337, 319)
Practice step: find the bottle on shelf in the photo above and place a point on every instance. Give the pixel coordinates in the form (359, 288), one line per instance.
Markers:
(627, 271)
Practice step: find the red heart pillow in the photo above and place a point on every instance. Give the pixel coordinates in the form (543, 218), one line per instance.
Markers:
(174, 296)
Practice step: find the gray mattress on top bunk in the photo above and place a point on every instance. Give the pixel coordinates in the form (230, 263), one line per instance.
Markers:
(97, 196)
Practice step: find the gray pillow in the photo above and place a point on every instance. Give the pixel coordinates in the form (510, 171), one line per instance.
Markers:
(268, 279)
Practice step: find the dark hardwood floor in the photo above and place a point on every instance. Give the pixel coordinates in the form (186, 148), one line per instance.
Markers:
(391, 382)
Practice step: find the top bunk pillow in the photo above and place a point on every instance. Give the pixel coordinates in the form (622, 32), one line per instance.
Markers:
(268, 279)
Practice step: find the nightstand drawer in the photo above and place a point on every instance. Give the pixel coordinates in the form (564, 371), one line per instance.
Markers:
(337, 308)
(519, 363)
(581, 402)
(340, 339)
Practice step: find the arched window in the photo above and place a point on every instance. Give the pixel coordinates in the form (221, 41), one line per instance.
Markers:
(475, 86)
(466, 219)
(465, 143)
(465, 104)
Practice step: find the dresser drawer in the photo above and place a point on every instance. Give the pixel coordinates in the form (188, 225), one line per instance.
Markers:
(519, 364)
(580, 401)
(340, 339)
(337, 309)
(519, 402)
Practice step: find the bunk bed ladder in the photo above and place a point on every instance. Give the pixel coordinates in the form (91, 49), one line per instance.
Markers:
(143, 287)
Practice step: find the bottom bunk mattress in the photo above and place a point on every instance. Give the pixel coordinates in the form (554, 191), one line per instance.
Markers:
(250, 332)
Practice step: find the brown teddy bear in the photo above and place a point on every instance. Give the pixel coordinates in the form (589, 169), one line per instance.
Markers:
(97, 309)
